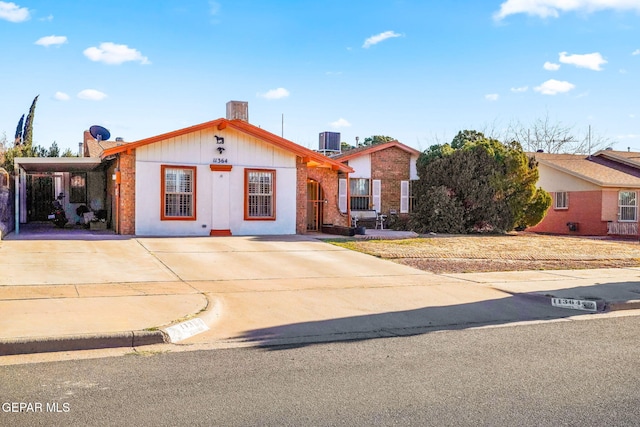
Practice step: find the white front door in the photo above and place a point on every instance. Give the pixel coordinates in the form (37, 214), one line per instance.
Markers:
(220, 203)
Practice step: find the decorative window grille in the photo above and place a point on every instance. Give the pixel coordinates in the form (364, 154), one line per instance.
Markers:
(627, 206)
(78, 190)
(260, 190)
(178, 192)
(360, 194)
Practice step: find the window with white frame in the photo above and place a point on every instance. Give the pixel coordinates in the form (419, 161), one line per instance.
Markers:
(178, 193)
(561, 200)
(627, 206)
(360, 194)
(260, 190)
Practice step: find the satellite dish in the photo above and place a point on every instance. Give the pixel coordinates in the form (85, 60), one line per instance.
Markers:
(99, 133)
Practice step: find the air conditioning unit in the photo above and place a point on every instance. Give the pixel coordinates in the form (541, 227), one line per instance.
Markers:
(329, 141)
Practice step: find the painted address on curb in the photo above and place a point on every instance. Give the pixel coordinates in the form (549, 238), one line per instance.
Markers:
(576, 304)
(187, 329)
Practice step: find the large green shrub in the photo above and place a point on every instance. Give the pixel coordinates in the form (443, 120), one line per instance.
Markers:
(477, 184)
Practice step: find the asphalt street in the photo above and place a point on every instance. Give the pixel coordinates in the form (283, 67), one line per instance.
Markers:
(574, 373)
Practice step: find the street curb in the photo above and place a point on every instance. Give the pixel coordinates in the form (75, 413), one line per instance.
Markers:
(624, 305)
(603, 305)
(80, 342)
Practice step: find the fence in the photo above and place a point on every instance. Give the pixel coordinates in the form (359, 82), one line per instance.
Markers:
(7, 218)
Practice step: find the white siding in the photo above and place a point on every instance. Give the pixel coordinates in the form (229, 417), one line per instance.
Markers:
(413, 170)
(361, 166)
(553, 180)
(200, 149)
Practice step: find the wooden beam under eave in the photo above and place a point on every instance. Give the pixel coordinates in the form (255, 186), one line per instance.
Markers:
(222, 125)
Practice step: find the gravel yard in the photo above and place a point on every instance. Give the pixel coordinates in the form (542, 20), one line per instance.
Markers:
(512, 252)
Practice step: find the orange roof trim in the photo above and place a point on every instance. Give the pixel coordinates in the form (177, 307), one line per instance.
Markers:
(351, 154)
(242, 126)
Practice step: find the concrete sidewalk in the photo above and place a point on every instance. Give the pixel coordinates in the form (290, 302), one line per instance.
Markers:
(95, 293)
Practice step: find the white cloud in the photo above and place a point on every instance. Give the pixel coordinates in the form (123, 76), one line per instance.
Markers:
(553, 87)
(629, 136)
(92, 95)
(275, 94)
(553, 8)
(13, 13)
(51, 40)
(550, 66)
(379, 38)
(592, 61)
(636, 52)
(61, 96)
(520, 89)
(111, 53)
(340, 123)
(492, 97)
(214, 7)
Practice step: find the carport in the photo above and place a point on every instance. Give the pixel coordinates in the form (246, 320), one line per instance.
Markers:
(38, 180)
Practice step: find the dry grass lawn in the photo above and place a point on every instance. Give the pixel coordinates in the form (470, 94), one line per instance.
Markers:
(517, 251)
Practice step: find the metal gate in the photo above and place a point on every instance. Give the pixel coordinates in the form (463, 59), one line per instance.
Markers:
(40, 195)
(315, 204)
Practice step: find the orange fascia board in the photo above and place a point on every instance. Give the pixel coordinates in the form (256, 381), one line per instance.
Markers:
(378, 147)
(241, 126)
(287, 145)
(157, 138)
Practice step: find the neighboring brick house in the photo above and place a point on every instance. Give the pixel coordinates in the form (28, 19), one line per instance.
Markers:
(223, 177)
(382, 178)
(592, 195)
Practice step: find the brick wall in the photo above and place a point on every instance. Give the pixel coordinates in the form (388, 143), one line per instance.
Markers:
(585, 208)
(391, 166)
(328, 180)
(127, 211)
(301, 196)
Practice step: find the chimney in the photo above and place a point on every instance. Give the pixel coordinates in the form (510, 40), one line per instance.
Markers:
(88, 137)
(80, 152)
(238, 110)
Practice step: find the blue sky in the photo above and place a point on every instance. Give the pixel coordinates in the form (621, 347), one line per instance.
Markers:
(416, 70)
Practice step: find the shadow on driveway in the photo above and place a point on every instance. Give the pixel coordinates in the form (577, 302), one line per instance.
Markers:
(516, 308)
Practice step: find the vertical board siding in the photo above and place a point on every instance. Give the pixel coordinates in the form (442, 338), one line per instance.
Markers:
(199, 149)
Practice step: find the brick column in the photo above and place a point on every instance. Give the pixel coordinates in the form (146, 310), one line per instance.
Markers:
(301, 196)
(127, 208)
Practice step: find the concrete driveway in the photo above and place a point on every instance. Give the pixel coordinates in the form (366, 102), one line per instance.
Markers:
(248, 290)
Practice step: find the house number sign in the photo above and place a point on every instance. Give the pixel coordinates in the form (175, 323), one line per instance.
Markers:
(220, 149)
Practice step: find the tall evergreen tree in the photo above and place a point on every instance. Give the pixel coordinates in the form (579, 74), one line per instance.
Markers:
(28, 125)
(18, 137)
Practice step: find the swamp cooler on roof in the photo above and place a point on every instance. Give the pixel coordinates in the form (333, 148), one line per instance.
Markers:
(329, 141)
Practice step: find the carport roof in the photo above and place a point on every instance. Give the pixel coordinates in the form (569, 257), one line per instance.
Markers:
(56, 164)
